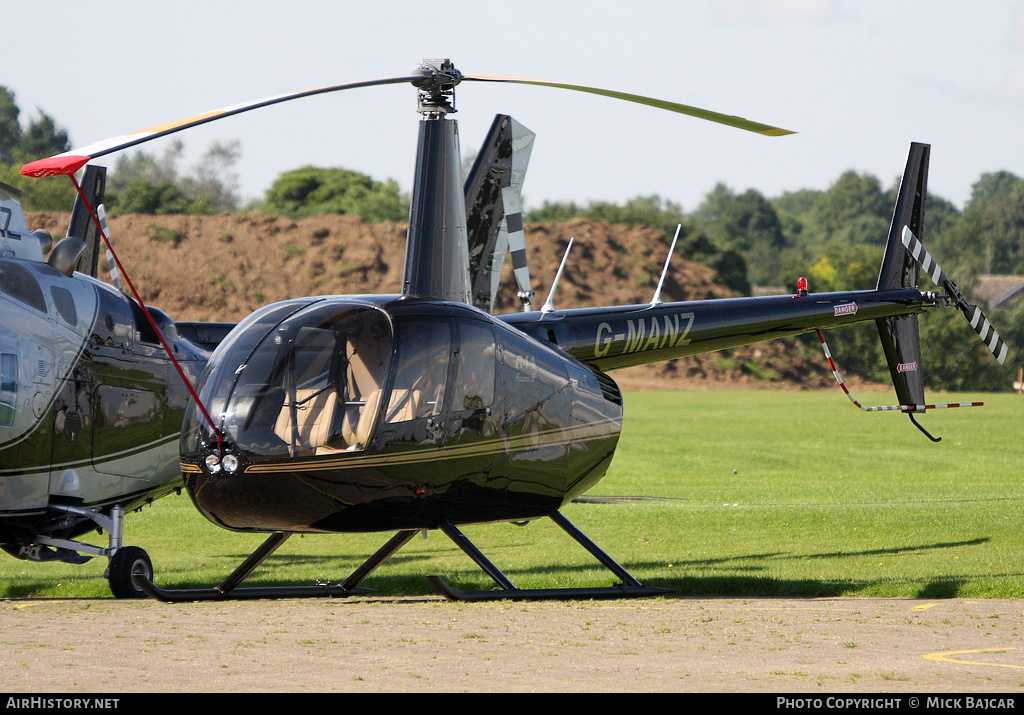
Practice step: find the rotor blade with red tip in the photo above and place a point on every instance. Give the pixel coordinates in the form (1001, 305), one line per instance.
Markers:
(71, 161)
(738, 122)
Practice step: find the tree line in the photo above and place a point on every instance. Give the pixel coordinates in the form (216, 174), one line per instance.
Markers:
(834, 237)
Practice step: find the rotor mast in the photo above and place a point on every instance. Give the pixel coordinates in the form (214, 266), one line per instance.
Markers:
(436, 251)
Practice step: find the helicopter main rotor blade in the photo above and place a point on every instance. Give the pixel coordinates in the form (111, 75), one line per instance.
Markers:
(729, 120)
(71, 161)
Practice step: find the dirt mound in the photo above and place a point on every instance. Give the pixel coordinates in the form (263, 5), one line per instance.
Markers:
(221, 268)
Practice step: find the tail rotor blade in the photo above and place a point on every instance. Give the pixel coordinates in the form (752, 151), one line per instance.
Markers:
(987, 333)
(493, 190)
(921, 255)
(974, 316)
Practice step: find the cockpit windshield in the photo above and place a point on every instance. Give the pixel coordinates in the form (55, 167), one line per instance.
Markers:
(309, 385)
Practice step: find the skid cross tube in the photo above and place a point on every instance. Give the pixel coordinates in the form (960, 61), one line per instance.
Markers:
(227, 589)
(629, 588)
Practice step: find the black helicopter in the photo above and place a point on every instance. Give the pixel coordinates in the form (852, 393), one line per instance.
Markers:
(422, 411)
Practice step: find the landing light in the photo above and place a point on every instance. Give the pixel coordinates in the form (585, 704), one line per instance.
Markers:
(230, 463)
(212, 463)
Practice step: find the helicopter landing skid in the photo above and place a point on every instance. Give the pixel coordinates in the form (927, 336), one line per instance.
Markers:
(629, 588)
(227, 590)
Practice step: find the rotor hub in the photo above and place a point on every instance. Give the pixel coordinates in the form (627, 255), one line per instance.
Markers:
(437, 87)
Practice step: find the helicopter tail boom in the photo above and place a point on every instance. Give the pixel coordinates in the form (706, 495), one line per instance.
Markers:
(621, 337)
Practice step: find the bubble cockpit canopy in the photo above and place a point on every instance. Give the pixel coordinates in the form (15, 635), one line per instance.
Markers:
(295, 379)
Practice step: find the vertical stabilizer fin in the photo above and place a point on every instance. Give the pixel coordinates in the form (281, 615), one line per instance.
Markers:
(900, 337)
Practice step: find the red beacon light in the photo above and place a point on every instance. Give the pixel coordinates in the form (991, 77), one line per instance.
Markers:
(801, 286)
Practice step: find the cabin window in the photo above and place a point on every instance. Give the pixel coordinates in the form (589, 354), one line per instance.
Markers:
(19, 283)
(533, 378)
(421, 375)
(474, 380)
(114, 329)
(8, 388)
(65, 305)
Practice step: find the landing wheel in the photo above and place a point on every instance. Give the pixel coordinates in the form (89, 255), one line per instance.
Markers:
(126, 561)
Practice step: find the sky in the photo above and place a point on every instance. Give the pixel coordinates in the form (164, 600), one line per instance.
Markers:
(857, 80)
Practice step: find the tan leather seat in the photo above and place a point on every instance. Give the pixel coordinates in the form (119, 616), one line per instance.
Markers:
(404, 405)
(314, 413)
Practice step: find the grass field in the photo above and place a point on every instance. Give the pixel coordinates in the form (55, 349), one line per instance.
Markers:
(711, 493)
